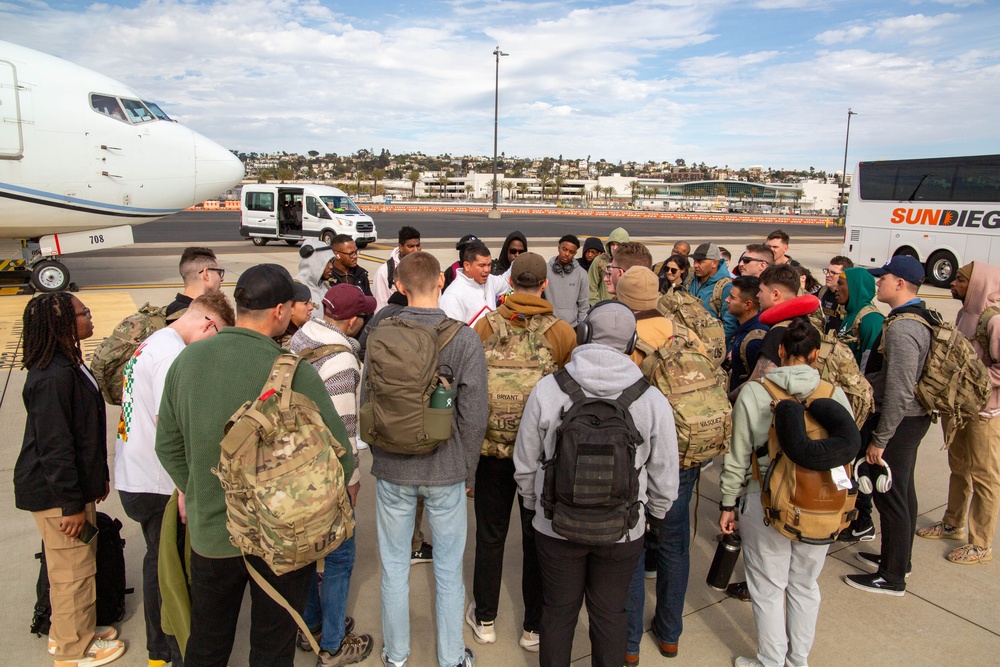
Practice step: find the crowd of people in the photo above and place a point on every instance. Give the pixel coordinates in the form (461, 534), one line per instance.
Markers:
(550, 409)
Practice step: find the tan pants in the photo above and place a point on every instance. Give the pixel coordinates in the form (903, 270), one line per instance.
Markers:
(974, 459)
(72, 567)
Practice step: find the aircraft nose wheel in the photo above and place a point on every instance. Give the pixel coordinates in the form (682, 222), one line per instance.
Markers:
(49, 275)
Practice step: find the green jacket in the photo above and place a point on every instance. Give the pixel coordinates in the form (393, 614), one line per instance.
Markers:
(861, 288)
(207, 383)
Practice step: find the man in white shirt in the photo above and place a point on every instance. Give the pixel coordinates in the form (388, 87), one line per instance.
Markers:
(143, 485)
(384, 284)
(474, 291)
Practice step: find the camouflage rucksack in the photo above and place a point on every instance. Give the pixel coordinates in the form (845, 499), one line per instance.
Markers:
(696, 389)
(110, 357)
(954, 383)
(286, 497)
(715, 302)
(286, 501)
(516, 359)
(982, 333)
(403, 370)
(687, 309)
(853, 335)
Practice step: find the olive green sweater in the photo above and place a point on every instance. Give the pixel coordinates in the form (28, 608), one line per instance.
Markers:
(207, 383)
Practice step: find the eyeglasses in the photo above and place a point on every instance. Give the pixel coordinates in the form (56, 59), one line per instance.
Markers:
(609, 269)
(221, 272)
(83, 313)
(214, 325)
(828, 272)
(349, 254)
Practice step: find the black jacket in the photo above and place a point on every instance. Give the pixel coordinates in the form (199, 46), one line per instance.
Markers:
(356, 276)
(64, 456)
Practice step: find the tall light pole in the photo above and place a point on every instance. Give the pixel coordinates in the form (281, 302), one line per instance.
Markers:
(843, 175)
(494, 214)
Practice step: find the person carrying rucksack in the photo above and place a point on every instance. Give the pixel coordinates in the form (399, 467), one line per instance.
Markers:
(201, 274)
(781, 572)
(206, 385)
(143, 486)
(384, 282)
(675, 361)
(598, 289)
(596, 419)
(899, 422)
(330, 346)
(524, 341)
(62, 471)
(975, 467)
(444, 473)
(712, 284)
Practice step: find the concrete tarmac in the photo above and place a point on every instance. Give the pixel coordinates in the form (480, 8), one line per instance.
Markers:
(949, 616)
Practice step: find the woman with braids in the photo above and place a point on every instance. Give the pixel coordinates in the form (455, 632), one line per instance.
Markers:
(62, 471)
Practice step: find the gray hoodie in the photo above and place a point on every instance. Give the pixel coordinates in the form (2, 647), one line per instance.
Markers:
(311, 274)
(457, 459)
(600, 371)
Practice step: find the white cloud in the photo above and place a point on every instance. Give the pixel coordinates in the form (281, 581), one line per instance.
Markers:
(843, 36)
(903, 26)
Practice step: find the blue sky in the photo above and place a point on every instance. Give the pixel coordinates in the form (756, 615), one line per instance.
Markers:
(726, 82)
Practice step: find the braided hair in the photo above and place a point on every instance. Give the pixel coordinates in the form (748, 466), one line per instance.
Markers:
(49, 327)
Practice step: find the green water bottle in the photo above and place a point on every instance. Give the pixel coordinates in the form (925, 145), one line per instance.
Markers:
(443, 397)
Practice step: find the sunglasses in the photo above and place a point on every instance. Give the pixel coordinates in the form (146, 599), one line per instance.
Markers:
(670, 270)
(512, 251)
(747, 260)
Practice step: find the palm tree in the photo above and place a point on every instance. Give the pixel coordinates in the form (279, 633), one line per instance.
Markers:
(544, 181)
(443, 181)
(509, 187)
(468, 192)
(522, 189)
(610, 191)
(633, 187)
(414, 179)
(377, 175)
(559, 182)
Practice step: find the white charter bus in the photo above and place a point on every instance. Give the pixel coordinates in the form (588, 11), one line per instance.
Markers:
(943, 211)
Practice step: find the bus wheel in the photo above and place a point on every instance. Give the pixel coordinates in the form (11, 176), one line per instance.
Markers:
(941, 268)
(906, 252)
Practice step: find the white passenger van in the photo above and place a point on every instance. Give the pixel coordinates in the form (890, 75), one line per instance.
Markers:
(945, 212)
(295, 212)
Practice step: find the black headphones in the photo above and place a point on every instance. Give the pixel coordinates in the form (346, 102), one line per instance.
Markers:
(585, 330)
(563, 269)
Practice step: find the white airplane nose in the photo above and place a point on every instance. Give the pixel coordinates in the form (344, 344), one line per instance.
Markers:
(216, 169)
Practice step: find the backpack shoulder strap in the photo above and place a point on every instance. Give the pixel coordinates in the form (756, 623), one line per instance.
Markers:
(447, 328)
(632, 393)
(390, 270)
(280, 381)
(862, 314)
(496, 323)
(755, 334)
(569, 386)
(982, 333)
(314, 354)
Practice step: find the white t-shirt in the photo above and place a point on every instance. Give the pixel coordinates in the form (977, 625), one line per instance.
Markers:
(136, 467)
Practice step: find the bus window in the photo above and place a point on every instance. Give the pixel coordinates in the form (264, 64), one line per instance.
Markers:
(137, 113)
(108, 106)
(156, 110)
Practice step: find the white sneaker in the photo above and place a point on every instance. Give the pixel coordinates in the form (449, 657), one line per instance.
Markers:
(529, 641)
(747, 662)
(101, 652)
(483, 632)
(100, 632)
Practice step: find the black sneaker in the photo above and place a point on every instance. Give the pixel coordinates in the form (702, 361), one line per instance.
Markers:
(739, 590)
(872, 562)
(873, 583)
(858, 532)
(422, 555)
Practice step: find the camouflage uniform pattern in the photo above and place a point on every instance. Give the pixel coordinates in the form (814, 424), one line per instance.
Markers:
(110, 357)
(286, 498)
(695, 388)
(516, 359)
(836, 364)
(687, 309)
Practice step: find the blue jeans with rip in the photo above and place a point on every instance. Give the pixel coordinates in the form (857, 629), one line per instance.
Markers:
(672, 566)
(327, 603)
(447, 515)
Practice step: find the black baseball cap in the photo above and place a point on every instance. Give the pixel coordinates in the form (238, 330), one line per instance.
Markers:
(302, 293)
(466, 240)
(264, 286)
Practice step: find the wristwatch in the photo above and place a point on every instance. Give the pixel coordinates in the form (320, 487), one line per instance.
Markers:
(727, 508)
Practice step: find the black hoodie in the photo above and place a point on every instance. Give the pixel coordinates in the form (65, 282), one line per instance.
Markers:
(501, 263)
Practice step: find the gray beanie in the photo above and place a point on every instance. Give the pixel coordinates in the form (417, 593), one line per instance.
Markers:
(612, 324)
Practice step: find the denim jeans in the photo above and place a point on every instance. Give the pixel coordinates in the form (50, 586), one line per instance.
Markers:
(147, 509)
(447, 515)
(672, 566)
(327, 603)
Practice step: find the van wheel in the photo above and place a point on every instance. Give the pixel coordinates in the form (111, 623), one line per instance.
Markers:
(259, 241)
(292, 242)
(326, 237)
(941, 268)
(362, 246)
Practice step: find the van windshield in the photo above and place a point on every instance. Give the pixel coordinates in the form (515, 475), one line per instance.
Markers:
(341, 204)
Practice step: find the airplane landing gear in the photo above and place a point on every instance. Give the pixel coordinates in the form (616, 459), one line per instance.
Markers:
(50, 275)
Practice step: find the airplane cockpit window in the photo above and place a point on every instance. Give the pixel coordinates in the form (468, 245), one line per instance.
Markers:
(339, 204)
(107, 105)
(137, 113)
(157, 111)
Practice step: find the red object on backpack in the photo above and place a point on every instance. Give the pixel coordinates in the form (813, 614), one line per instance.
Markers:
(800, 306)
